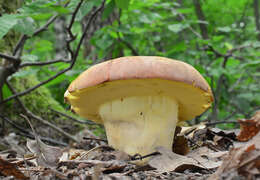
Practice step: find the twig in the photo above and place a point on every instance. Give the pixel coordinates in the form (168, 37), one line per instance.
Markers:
(20, 44)
(140, 157)
(96, 139)
(72, 118)
(133, 50)
(236, 83)
(189, 27)
(29, 113)
(219, 122)
(73, 17)
(44, 63)
(85, 30)
(210, 48)
(85, 154)
(46, 25)
(29, 134)
(71, 36)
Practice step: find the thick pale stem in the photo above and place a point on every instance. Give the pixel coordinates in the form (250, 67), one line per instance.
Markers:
(139, 124)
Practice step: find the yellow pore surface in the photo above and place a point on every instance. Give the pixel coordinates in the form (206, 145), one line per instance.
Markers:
(139, 124)
(192, 100)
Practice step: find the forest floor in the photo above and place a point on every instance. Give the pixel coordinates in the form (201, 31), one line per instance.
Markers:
(199, 152)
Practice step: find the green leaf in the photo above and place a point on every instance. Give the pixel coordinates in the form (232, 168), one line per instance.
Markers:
(59, 9)
(185, 10)
(6, 91)
(109, 9)
(228, 45)
(24, 73)
(7, 21)
(25, 26)
(30, 57)
(123, 4)
(251, 64)
(177, 27)
(232, 63)
(225, 29)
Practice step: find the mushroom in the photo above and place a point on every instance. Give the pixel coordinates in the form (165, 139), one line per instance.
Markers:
(139, 99)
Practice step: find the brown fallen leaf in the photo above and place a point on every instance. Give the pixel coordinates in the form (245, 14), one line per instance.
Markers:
(244, 160)
(47, 156)
(10, 169)
(249, 127)
(207, 157)
(180, 145)
(168, 161)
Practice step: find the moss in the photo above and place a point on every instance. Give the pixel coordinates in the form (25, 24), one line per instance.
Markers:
(38, 101)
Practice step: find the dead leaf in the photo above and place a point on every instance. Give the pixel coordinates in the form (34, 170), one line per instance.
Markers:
(244, 160)
(10, 169)
(47, 156)
(249, 127)
(207, 157)
(168, 161)
(189, 131)
(180, 145)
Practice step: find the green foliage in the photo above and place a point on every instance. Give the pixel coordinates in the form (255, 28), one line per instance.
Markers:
(7, 21)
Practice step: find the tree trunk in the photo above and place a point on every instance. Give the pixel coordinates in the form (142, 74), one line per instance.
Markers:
(7, 6)
(99, 23)
(201, 17)
(257, 18)
(60, 35)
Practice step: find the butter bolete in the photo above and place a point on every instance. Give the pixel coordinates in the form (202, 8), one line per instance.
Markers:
(139, 100)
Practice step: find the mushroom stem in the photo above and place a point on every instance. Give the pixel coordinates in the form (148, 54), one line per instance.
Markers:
(138, 124)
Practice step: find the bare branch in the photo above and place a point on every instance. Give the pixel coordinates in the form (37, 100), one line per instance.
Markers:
(10, 58)
(46, 25)
(44, 63)
(74, 16)
(19, 45)
(72, 37)
(238, 48)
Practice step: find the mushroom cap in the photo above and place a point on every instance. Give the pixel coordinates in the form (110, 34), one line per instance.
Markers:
(139, 76)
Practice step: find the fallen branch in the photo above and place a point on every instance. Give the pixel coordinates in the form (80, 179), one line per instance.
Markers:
(28, 134)
(219, 122)
(96, 139)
